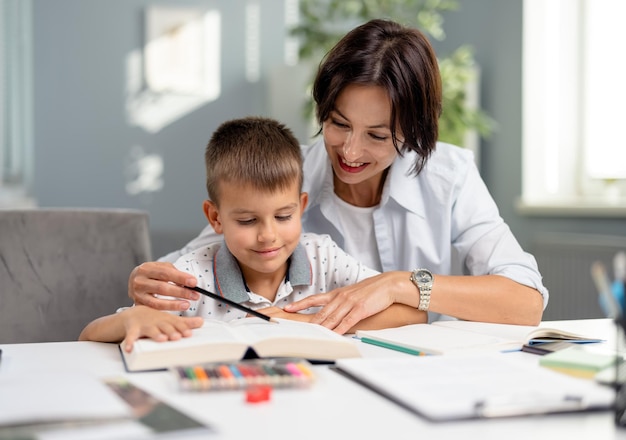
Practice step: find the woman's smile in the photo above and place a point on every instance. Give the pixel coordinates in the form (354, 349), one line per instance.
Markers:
(351, 167)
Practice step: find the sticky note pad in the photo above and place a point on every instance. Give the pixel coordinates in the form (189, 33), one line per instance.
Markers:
(577, 361)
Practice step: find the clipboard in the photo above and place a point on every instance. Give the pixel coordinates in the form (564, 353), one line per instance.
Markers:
(445, 388)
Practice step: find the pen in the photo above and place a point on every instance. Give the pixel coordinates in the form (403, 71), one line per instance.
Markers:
(608, 302)
(233, 304)
(619, 275)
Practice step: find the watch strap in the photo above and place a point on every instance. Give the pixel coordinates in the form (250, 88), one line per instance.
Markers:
(424, 288)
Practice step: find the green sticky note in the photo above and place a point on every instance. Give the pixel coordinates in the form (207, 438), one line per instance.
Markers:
(577, 358)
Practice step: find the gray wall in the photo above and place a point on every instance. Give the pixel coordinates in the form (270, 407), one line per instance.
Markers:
(82, 139)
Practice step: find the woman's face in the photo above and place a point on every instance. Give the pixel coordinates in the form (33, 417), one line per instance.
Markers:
(358, 136)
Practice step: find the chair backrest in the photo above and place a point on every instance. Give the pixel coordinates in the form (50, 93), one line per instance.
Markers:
(61, 268)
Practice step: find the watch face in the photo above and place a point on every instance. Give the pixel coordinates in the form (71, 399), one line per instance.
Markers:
(423, 276)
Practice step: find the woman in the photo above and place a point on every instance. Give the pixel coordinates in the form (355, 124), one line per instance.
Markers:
(385, 190)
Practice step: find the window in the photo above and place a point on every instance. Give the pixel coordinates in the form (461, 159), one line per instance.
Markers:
(16, 141)
(574, 150)
(178, 69)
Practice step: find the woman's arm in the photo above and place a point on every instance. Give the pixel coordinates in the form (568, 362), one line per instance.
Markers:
(486, 298)
(396, 315)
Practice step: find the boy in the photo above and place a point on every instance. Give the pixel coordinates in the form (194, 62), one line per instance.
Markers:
(254, 182)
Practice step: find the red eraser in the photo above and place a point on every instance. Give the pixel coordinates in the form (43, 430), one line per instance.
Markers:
(259, 393)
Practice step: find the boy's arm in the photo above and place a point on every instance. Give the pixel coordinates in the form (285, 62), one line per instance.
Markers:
(395, 315)
(109, 328)
(136, 322)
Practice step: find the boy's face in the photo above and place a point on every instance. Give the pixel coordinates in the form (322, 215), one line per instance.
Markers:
(261, 229)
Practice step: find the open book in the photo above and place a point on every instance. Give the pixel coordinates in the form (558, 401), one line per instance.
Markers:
(446, 337)
(219, 341)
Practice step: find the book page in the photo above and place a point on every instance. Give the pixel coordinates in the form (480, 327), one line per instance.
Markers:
(516, 333)
(433, 339)
(215, 340)
(256, 329)
(214, 332)
(226, 341)
(295, 339)
(543, 334)
(246, 331)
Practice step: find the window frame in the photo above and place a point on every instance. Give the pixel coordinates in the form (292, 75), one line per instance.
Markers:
(557, 81)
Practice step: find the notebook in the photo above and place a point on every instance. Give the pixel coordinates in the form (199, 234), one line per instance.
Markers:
(450, 337)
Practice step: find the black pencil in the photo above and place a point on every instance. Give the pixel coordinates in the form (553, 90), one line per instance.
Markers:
(232, 303)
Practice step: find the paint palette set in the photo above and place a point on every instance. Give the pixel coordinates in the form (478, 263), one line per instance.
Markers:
(278, 373)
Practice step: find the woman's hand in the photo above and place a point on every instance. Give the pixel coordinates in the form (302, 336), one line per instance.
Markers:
(343, 308)
(160, 278)
(483, 298)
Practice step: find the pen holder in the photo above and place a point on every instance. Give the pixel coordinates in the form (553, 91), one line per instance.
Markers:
(620, 376)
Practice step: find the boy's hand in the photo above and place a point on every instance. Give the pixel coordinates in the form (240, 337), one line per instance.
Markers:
(142, 321)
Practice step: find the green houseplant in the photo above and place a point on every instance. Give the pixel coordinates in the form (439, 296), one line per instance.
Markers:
(323, 22)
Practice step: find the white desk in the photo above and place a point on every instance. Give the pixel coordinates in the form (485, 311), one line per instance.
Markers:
(334, 408)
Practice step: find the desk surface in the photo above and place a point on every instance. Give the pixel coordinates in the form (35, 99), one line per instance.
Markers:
(334, 407)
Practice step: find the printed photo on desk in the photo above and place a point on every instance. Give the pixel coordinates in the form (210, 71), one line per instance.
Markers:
(219, 341)
(442, 388)
(156, 416)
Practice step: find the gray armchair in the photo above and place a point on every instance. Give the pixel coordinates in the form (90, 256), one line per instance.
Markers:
(61, 268)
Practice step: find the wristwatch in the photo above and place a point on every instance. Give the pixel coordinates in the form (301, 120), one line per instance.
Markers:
(423, 279)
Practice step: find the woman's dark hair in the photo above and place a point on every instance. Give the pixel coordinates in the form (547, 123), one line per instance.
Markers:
(400, 60)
